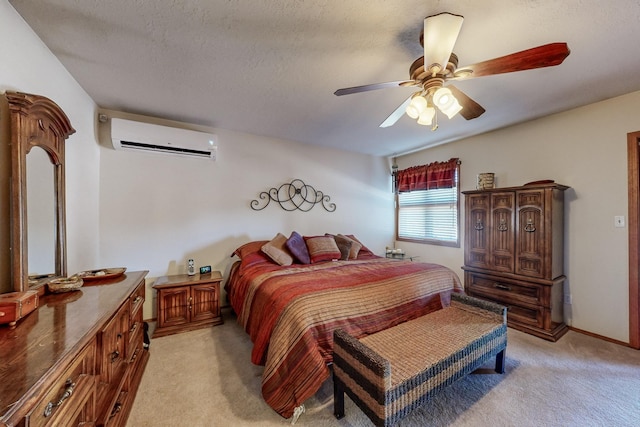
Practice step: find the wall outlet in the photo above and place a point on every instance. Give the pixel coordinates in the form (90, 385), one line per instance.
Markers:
(567, 299)
(618, 221)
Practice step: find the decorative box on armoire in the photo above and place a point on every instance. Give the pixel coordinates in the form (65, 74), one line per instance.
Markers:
(513, 254)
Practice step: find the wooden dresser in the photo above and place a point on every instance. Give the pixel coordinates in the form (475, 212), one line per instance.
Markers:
(78, 359)
(513, 254)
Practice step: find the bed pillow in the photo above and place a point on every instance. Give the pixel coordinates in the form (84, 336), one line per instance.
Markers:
(249, 248)
(355, 246)
(322, 248)
(298, 248)
(277, 251)
(344, 245)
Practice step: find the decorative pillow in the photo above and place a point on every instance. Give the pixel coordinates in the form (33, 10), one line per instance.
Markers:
(363, 250)
(344, 245)
(322, 248)
(249, 248)
(298, 248)
(355, 246)
(277, 251)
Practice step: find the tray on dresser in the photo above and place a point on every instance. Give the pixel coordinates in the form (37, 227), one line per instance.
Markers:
(101, 273)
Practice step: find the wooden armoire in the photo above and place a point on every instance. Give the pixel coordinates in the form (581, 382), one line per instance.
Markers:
(513, 254)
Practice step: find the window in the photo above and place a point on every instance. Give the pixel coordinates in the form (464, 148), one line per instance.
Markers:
(429, 216)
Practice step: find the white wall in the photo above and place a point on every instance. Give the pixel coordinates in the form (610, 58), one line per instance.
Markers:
(157, 211)
(585, 149)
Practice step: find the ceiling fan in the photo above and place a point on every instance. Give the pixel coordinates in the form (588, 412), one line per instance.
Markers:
(439, 65)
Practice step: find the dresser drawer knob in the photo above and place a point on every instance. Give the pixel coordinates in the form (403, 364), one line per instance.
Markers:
(68, 391)
(137, 299)
(116, 408)
(114, 356)
(502, 287)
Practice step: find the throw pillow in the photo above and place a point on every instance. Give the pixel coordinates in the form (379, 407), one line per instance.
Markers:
(355, 246)
(298, 248)
(322, 248)
(277, 251)
(344, 245)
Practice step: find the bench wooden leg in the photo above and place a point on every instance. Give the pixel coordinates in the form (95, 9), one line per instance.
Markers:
(500, 362)
(338, 398)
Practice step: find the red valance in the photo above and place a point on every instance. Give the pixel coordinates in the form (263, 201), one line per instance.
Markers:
(427, 177)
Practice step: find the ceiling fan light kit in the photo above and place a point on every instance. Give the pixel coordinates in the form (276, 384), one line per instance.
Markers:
(439, 65)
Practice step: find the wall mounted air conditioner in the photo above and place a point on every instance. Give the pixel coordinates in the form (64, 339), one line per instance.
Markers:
(139, 136)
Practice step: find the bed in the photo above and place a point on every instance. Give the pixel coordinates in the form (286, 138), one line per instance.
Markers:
(291, 311)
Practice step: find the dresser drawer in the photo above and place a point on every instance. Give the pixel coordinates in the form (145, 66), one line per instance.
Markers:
(136, 300)
(113, 346)
(136, 332)
(72, 397)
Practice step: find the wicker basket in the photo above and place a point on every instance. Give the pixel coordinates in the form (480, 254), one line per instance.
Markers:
(65, 284)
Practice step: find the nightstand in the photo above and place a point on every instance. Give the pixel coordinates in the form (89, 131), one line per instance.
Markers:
(186, 302)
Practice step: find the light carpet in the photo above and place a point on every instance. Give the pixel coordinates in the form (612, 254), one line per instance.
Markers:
(205, 378)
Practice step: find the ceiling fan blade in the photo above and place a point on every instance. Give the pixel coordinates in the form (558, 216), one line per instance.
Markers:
(376, 86)
(439, 36)
(546, 55)
(395, 116)
(470, 108)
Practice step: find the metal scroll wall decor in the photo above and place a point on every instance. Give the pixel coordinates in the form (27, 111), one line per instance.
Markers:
(295, 195)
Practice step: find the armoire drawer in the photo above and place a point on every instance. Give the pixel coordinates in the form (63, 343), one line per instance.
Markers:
(73, 393)
(506, 291)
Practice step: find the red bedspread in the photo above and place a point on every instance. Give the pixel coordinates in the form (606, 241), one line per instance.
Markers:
(291, 312)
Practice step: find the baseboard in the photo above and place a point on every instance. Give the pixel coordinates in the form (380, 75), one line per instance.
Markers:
(601, 337)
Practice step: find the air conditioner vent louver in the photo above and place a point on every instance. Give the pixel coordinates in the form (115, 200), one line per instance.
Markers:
(139, 136)
(165, 149)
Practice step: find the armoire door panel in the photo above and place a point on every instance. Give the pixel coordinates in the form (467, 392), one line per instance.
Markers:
(531, 249)
(477, 226)
(502, 236)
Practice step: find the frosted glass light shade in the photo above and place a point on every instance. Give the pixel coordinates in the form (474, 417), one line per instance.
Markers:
(443, 98)
(426, 118)
(453, 109)
(417, 105)
(446, 102)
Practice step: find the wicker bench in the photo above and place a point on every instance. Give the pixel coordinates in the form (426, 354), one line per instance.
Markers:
(391, 372)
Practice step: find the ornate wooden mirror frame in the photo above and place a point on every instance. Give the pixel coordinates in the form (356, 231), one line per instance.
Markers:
(36, 121)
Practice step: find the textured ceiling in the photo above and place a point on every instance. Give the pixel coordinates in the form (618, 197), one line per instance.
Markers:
(270, 67)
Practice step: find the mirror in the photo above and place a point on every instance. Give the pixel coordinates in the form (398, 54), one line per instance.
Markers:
(39, 129)
(41, 214)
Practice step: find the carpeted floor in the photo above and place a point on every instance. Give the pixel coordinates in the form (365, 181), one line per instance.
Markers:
(205, 378)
